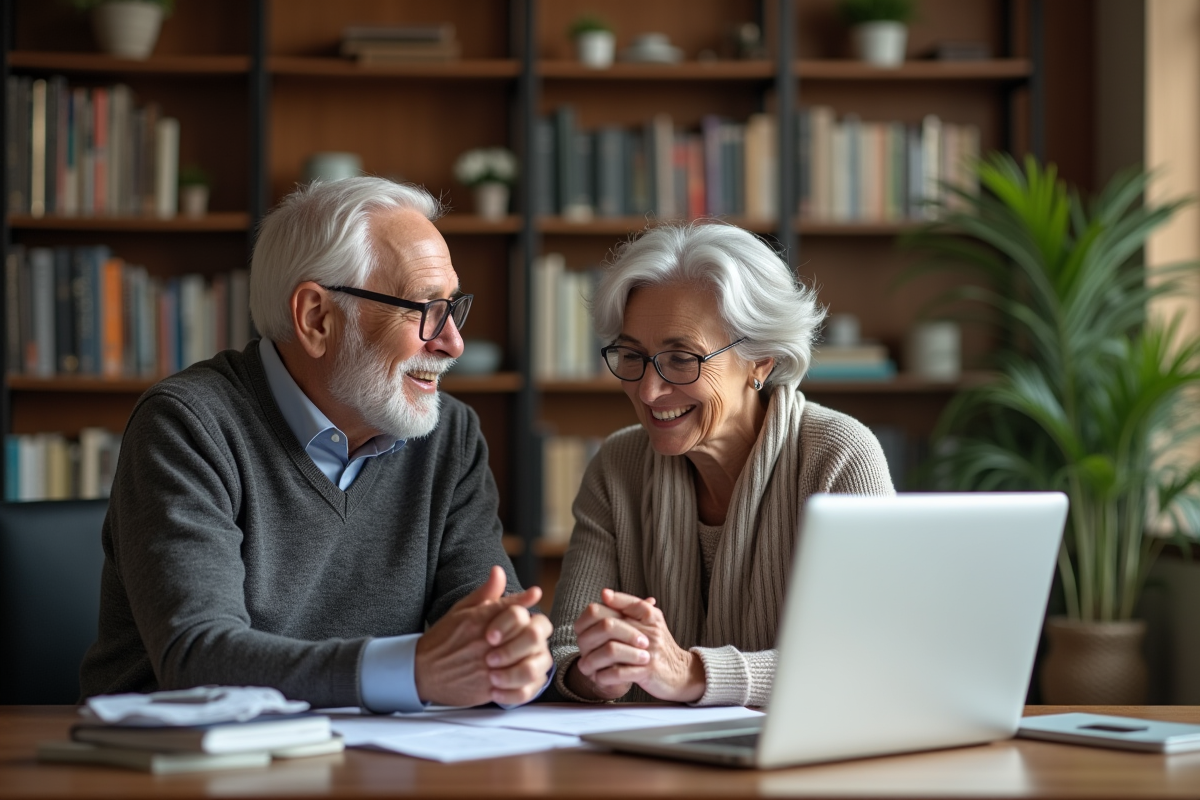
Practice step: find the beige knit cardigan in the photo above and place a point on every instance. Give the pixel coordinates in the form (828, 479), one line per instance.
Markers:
(622, 496)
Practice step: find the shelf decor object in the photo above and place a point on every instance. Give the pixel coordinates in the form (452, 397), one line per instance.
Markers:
(595, 42)
(127, 28)
(1092, 397)
(194, 187)
(489, 171)
(878, 29)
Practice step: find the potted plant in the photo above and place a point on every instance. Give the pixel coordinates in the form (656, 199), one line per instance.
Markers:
(489, 171)
(126, 28)
(194, 188)
(1092, 397)
(878, 29)
(594, 40)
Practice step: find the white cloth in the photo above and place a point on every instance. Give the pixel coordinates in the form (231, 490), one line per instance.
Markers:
(203, 705)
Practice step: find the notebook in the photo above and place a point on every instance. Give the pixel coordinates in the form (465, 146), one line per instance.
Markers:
(266, 732)
(911, 623)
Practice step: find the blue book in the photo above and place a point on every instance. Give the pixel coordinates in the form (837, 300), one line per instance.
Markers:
(12, 468)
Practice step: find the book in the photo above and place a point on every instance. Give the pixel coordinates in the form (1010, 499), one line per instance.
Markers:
(37, 149)
(166, 166)
(266, 732)
(147, 760)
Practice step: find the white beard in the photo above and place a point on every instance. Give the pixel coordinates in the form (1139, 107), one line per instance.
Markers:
(361, 379)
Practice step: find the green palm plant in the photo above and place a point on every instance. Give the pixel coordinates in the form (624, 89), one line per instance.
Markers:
(1090, 391)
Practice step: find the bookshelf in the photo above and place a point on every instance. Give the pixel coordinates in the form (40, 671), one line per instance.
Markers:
(257, 90)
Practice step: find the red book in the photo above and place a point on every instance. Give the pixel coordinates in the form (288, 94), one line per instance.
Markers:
(695, 179)
(100, 150)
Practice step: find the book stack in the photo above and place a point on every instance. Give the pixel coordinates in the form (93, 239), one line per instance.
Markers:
(564, 344)
(48, 466)
(866, 361)
(76, 151)
(390, 44)
(84, 311)
(194, 748)
(565, 458)
(854, 170)
(722, 168)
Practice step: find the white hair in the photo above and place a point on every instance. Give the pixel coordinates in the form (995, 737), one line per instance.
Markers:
(322, 232)
(758, 296)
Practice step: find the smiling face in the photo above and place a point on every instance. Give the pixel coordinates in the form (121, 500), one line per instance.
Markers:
(722, 406)
(383, 369)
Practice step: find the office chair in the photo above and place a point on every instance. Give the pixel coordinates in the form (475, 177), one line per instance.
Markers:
(50, 563)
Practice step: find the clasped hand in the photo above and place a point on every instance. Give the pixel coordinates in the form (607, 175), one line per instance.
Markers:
(488, 647)
(623, 640)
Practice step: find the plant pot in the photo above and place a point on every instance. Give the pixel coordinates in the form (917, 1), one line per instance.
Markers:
(193, 200)
(596, 48)
(491, 200)
(880, 43)
(1094, 663)
(127, 28)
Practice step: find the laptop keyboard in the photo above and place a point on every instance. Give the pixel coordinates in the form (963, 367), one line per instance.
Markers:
(747, 740)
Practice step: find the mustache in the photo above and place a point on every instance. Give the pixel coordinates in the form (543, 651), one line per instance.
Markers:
(427, 363)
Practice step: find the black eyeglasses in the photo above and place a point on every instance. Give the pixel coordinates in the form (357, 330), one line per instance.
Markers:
(673, 366)
(433, 314)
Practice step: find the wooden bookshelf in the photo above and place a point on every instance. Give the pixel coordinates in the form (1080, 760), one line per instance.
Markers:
(169, 65)
(1005, 69)
(213, 222)
(685, 71)
(466, 69)
(410, 121)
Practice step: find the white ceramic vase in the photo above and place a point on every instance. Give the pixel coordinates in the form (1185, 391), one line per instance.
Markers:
(193, 200)
(880, 43)
(491, 200)
(127, 28)
(596, 48)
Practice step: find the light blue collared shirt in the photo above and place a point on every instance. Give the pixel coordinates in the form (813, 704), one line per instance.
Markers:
(388, 672)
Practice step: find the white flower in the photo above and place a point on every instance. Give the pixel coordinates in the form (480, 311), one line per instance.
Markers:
(486, 164)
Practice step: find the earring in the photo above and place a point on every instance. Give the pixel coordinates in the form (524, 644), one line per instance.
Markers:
(757, 384)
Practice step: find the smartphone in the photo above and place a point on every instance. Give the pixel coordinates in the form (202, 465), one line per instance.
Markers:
(1124, 733)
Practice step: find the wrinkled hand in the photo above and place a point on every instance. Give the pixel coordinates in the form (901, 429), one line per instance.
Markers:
(625, 640)
(488, 647)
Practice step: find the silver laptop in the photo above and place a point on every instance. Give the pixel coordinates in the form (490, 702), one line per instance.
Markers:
(911, 624)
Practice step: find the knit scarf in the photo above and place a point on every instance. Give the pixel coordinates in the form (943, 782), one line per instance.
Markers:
(746, 592)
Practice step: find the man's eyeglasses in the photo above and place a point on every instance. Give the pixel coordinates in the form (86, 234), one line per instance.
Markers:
(433, 314)
(673, 366)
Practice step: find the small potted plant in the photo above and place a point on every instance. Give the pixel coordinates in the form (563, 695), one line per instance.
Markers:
(878, 29)
(194, 187)
(595, 43)
(126, 28)
(489, 171)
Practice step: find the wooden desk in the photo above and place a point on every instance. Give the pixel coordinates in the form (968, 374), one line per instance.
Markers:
(1004, 769)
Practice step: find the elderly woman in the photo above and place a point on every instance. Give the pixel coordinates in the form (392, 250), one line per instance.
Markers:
(673, 585)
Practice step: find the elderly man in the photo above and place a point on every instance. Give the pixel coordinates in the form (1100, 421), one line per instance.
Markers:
(310, 513)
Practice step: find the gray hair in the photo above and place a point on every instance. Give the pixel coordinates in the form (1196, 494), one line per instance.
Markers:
(758, 296)
(322, 232)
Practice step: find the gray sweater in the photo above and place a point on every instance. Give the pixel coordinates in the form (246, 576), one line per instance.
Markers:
(231, 559)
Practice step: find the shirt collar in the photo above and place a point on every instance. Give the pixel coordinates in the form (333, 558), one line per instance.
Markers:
(302, 415)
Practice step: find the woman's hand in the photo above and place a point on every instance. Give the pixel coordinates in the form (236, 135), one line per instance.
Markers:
(670, 673)
(608, 644)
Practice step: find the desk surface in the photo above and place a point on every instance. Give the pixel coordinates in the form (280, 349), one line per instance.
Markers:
(1016, 768)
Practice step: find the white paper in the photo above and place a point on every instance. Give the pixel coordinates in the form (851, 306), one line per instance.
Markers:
(202, 705)
(575, 720)
(414, 735)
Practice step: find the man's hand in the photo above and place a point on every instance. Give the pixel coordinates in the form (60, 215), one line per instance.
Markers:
(488, 647)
